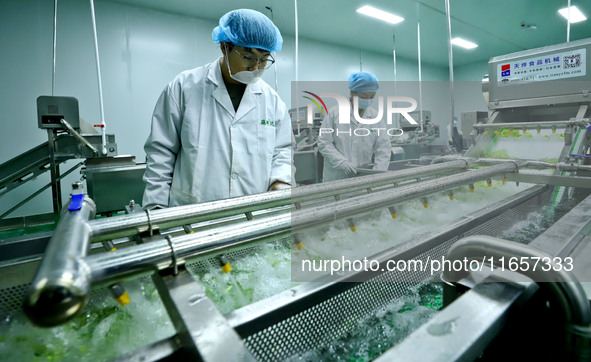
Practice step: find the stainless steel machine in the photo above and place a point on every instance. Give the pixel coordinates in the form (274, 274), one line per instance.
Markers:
(485, 312)
(68, 138)
(308, 161)
(112, 179)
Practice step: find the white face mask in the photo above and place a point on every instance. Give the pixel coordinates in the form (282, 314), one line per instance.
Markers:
(246, 76)
(364, 103)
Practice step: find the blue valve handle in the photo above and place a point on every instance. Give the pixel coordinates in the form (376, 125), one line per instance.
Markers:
(76, 203)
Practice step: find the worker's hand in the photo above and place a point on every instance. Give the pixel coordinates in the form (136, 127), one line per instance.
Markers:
(278, 185)
(348, 168)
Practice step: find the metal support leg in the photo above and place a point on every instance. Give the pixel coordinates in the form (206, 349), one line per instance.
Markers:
(56, 190)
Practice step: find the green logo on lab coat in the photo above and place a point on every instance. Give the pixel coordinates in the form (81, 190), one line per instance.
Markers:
(267, 123)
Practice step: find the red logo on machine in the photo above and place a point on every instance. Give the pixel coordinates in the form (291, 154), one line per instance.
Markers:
(505, 70)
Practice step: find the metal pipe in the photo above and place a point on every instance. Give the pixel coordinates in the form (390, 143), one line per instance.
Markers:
(394, 60)
(420, 72)
(450, 58)
(568, 22)
(274, 64)
(313, 192)
(321, 215)
(132, 224)
(560, 166)
(62, 282)
(98, 75)
(581, 122)
(164, 252)
(54, 46)
(360, 61)
(562, 284)
(297, 47)
(449, 157)
(54, 170)
(572, 167)
(78, 137)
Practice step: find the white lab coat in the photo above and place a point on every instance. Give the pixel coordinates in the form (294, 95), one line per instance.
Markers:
(356, 149)
(200, 149)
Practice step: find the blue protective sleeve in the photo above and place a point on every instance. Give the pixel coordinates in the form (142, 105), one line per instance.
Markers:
(76, 203)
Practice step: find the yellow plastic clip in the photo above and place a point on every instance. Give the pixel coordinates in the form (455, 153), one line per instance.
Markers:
(299, 245)
(123, 299)
(225, 264)
(352, 225)
(120, 294)
(226, 268)
(393, 212)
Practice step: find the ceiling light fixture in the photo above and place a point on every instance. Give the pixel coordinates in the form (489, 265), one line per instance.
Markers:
(463, 43)
(379, 14)
(575, 14)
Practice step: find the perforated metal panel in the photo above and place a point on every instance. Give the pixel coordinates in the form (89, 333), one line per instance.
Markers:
(500, 224)
(340, 314)
(12, 298)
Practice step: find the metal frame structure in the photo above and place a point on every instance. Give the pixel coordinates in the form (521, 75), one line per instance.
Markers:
(165, 242)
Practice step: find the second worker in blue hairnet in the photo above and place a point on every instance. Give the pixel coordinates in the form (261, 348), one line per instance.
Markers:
(345, 149)
(219, 131)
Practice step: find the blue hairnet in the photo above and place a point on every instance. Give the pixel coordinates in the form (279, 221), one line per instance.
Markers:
(248, 28)
(363, 82)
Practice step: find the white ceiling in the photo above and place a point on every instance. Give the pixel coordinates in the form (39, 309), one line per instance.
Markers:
(496, 26)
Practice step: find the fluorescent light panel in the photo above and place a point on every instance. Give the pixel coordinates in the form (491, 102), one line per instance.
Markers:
(463, 43)
(379, 14)
(575, 14)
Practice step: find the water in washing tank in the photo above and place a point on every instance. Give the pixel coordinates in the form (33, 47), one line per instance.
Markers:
(544, 146)
(381, 329)
(103, 331)
(378, 231)
(106, 330)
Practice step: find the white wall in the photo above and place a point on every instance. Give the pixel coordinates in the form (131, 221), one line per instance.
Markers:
(141, 50)
(468, 88)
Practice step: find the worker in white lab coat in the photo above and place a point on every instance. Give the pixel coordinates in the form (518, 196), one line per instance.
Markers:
(219, 131)
(348, 146)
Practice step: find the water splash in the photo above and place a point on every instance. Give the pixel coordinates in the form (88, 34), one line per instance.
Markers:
(101, 332)
(381, 329)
